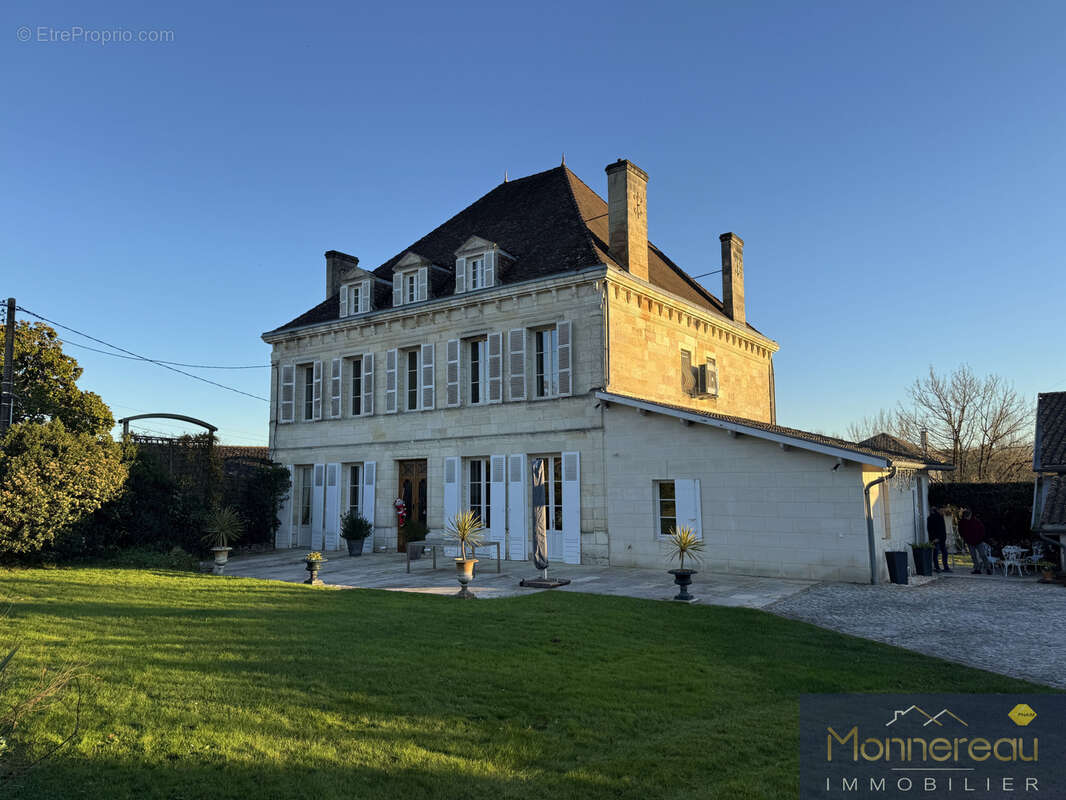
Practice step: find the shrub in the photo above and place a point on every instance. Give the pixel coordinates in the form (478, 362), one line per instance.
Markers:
(50, 480)
(354, 526)
(415, 530)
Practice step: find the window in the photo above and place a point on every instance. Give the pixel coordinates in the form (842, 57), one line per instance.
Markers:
(357, 386)
(411, 357)
(478, 365)
(410, 288)
(665, 507)
(554, 490)
(479, 490)
(476, 271)
(546, 362)
(708, 378)
(355, 489)
(305, 495)
(309, 392)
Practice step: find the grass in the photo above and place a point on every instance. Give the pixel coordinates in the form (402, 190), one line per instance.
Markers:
(233, 688)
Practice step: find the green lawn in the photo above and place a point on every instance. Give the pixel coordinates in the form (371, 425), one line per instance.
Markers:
(235, 688)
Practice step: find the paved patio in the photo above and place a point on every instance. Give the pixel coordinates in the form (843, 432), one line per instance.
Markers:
(1013, 626)
(387, 571)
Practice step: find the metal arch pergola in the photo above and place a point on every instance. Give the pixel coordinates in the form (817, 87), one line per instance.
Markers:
(181, 417)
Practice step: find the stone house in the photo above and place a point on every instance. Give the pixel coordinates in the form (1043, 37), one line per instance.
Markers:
(539, 329)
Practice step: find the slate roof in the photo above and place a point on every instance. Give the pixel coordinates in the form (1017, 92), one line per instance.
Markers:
(887, 443)
(1049, 454)
(892, 456)
(551, 222)
(1054, 511)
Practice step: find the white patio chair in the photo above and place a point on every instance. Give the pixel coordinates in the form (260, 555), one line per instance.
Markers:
(1036, 555)
(994, 562)
(1012, 558)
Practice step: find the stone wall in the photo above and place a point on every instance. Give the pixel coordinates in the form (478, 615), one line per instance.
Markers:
(648, 329)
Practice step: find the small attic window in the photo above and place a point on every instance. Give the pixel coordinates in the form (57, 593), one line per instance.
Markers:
(475, 271)
(355, 298)
(410, 286)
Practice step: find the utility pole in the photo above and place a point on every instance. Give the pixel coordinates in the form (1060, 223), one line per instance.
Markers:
(7, 388)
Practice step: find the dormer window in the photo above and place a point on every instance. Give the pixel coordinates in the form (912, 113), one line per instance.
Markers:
(355, 298)
(475, 272)
(477, 265)
(410, 286)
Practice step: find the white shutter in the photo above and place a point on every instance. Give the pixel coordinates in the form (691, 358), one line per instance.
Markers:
(422, 292)
(344, 301)
(498, 506)
(316, 397)
(517, 366)
(451, 497)
(318, 499)
(368, 384)
(566, 380)
(333, 507)
(687, 494)
(288, 392)
(364, 297)
(516, 508)
(397, 289)
(283, 537)
(335, 389)
(490, 269)
(390, 381)
(454, 396)
(460, 275)
(427, 377)
(495, 349)
(366, 507)
(572, 508)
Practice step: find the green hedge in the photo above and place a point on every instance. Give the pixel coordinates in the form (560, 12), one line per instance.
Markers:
(1006, 509)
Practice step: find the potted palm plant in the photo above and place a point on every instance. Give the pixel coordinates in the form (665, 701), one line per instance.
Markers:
(222, 528)
(684, 544)
(354, 530)
(465, 529)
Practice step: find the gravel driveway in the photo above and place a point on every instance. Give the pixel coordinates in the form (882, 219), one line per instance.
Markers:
(1013, 626)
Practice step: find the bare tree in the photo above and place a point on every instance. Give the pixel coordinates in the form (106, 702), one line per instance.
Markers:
(883, 421)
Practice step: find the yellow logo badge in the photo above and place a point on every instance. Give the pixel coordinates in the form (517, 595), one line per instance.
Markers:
(1022, 714)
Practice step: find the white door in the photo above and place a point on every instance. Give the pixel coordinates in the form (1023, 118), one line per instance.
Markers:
(318, 508)
(302, 531)
(517, 547)
(370, 469)
(333, 507)
(498, 502)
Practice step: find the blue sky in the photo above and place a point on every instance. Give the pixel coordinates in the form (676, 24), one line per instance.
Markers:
(897, 171)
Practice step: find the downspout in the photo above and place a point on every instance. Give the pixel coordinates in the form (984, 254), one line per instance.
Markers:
(870, 521)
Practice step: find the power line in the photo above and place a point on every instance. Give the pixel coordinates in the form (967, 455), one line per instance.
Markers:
(143, 358)
(171, 363)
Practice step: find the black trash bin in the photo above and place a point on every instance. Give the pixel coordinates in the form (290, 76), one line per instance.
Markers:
(923, 560)
(897, 565)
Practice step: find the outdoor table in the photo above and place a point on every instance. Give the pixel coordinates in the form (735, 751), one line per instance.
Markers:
(435, 546)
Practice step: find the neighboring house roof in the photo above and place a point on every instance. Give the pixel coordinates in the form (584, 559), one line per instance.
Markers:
(1053, 514)
(804, 440)
(1049, 450)
(228, 451)
(550, 222)
(887, 443)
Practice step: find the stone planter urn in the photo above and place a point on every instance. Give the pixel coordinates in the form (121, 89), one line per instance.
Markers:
(464, 568)
(355, 546)
(221, 559)
(683, 579)
(313, 566)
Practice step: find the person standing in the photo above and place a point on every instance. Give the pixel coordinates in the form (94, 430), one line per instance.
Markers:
(972, 531)
(938, 535)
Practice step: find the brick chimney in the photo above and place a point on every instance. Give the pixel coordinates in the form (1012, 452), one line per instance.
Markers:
(627, 216)
(338, 265)
(733, 276)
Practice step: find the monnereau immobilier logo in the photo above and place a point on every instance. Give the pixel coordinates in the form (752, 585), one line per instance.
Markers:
(932, 745)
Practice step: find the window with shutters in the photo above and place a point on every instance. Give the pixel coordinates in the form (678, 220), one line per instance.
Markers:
(546, 362)
(708, 378)
(409, 366)
(665, 507)
(355, 403)
(305, 495)
(410, 286)
(477, 370)
(475, 273)
(479, 489)
(308, 392)
(355, 489)
(554, 490)
(688, 374)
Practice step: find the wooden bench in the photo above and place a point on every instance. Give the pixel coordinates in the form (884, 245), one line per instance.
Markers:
(435, 543)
